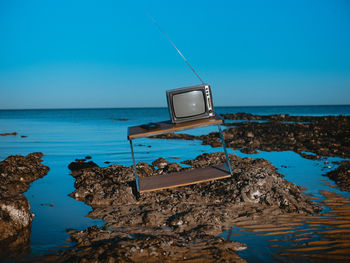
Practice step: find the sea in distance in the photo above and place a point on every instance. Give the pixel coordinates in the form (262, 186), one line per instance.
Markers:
(64, 135)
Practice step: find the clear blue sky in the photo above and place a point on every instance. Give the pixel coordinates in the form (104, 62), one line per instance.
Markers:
(73, 54)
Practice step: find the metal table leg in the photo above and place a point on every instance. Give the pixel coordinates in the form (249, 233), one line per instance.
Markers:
(137, 180)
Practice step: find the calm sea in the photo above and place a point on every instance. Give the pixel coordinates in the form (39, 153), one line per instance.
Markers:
(66, 134)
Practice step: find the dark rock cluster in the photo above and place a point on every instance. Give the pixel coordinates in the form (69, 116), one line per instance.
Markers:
(81, 164)
(285, 118)
(16, 173)
(176, 224)
(322, 136)
(8, 133)
(12, 134)
(341, 176)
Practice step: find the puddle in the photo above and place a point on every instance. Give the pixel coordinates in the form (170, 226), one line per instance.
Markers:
(54, 210)
(320, 238)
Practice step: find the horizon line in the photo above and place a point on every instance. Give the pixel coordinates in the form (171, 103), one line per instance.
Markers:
(164, 107)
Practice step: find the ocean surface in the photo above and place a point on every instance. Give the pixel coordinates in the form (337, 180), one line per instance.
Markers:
(64, 135)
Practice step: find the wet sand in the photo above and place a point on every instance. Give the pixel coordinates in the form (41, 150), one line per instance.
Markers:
(323, 237)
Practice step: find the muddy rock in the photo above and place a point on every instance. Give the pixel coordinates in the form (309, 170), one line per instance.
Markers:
(144, 168)
(177, 224)
(160, 163)
(16, 173)
(341, 176)
(103, 186)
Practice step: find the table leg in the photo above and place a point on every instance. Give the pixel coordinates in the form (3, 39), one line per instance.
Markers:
(134, 164)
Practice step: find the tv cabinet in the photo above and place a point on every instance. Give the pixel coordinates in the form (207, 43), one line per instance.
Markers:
(182, 178)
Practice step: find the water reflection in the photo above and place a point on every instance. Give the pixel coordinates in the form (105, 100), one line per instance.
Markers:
(17, 246)
(290, 238)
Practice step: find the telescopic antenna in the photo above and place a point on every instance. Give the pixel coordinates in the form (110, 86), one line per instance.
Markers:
(178, 51)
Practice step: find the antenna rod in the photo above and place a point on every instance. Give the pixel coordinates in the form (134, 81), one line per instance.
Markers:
(178, 51)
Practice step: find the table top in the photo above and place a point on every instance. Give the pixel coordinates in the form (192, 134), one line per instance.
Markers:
(135, 132)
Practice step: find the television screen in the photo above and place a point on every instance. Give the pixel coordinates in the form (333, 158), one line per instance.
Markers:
(189, 103)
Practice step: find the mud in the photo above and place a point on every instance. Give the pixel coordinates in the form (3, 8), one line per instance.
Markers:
(180, 224)
(16, 173)
(321, 136)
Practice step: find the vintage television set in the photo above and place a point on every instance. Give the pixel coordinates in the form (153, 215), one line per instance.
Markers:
(190, 103)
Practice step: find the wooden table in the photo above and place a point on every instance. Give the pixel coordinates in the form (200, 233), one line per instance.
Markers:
(164, 181)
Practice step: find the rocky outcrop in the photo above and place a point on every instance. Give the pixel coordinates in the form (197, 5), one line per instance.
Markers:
(285, 118)
(341, 176)
(321, 136)
(177, 224)
(16, 173)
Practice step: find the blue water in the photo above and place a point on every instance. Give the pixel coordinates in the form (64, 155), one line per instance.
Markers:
(66, 134)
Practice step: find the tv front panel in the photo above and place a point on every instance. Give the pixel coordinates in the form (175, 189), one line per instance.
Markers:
(188, 104)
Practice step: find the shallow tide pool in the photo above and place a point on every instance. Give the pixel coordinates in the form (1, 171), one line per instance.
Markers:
(66, 135)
